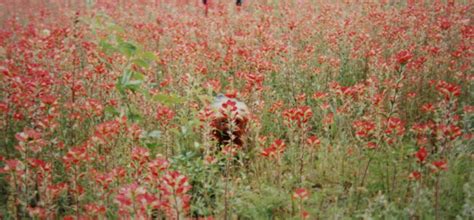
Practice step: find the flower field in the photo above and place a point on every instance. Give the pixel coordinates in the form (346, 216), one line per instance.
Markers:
(332, 109)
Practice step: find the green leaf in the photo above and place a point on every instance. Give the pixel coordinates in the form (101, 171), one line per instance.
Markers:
(148, 56)
(128, 49)
(169, 99)
(134, 116)
(152, 146)
(130, 80)
(126, 77)
(133, 83)
(138, 76)
(141, 63)
(120, 86)
(106, 47)
(111, 110)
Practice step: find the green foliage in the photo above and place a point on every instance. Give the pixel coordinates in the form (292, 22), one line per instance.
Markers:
(129, 81)
(110, 93)
(168, 99)
(267, 202)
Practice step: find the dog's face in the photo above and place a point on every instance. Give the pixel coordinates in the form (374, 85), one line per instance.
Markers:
(227, 111)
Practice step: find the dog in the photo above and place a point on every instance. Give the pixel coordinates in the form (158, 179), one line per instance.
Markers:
(229, 123)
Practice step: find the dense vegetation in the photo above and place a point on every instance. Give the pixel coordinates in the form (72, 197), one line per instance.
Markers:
(358, 110)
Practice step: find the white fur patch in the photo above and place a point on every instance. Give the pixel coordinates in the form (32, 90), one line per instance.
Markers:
(220, 99)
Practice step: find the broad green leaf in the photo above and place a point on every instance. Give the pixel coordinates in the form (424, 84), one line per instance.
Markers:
(130, 80)
(128, 49)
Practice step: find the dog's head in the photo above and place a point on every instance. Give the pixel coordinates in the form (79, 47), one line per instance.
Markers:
(230, 120)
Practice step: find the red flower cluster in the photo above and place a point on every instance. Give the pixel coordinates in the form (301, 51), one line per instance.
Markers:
(403, 57)
(299, 115)
(448, 90)
(364, 128)
(275, 150)
(164, 115)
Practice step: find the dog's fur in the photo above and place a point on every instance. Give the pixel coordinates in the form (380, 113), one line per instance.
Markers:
(220, 123)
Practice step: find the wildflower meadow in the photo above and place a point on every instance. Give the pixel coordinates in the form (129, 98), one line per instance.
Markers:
(223, 109)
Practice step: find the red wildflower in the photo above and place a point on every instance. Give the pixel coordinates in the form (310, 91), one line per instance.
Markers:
(174, 188)
(395, 126)
(428, 107)
(415, 175)
(158, 165)
(403, 57)
(363, 128)
(140, 154)
(95, 209)
(313, 140)
(319, 95)
(301, 193)
(468, 109)
(439, 165)
(300, 115)
(276, 149)
(230, 105)
(164, 115)
(48, 99)
(37, 212)
(448, 90)
(76, 155)
(134, 198)
(12, 166)
(421, 154)
(304, 214)
(371, 145)
(444, 23)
